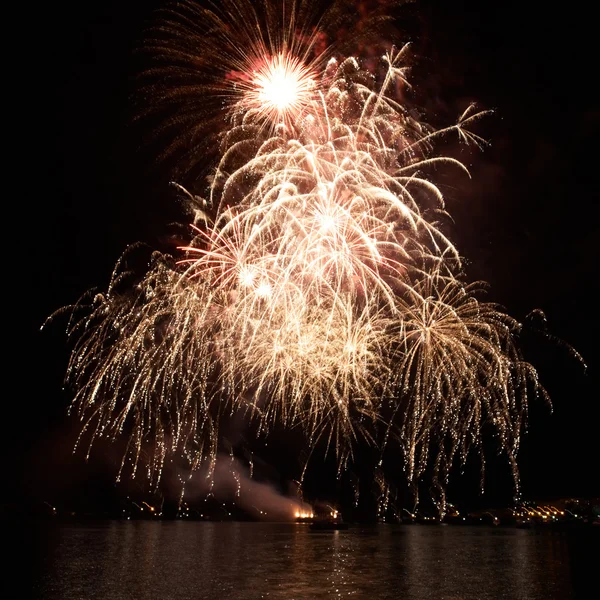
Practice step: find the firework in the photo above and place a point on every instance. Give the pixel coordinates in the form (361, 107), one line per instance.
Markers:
(318, 289)
(257, 58)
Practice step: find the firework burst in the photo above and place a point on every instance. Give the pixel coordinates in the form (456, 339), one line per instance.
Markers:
(318, 289)
(257, 58)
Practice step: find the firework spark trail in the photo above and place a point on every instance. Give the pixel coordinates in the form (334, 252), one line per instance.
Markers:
(320, 293)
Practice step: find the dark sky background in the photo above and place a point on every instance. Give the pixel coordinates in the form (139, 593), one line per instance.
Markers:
(526, 221)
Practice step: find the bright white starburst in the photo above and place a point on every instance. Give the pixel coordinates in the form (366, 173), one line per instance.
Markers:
(280, 89)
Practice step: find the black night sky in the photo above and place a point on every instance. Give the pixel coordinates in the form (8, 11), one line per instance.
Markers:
(526, 221)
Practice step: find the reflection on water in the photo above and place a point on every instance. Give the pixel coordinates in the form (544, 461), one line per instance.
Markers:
(193, 560)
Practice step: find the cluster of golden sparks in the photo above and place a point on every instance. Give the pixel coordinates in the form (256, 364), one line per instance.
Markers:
(318, 290)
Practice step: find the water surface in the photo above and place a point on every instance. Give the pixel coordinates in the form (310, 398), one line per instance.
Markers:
(142, 560)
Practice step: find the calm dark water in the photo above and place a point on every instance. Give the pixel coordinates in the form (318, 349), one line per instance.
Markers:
(245, 561)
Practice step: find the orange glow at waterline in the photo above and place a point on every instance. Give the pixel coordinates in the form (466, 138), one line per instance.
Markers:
(304, 515)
